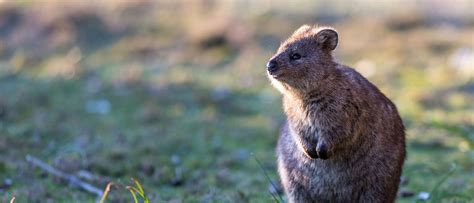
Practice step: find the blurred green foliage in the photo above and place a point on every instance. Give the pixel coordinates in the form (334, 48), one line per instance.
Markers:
(176, 94)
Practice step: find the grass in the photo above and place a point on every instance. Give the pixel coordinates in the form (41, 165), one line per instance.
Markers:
(181, 103)
(134, 189)
(275, 188)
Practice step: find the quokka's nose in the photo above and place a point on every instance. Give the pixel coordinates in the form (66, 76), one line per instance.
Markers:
(272, 66)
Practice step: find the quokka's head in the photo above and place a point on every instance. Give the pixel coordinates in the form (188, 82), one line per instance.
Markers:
(304, 58)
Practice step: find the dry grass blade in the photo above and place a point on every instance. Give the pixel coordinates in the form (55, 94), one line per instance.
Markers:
(106, 192)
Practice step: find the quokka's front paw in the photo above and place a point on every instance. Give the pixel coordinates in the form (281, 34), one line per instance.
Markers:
(323, 151)
(311, 153)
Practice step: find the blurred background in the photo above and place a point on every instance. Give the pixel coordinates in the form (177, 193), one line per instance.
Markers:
(175, 94)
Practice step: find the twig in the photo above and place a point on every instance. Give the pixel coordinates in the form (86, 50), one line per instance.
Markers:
(73, 180)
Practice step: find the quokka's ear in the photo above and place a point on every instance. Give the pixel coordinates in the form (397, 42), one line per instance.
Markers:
(327, 38)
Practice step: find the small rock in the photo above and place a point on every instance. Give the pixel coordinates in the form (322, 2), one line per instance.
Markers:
(423, 196)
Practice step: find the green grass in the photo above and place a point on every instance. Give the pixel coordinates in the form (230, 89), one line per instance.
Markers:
(187, 111)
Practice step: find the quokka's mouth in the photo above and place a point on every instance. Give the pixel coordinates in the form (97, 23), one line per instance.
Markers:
(274, 74)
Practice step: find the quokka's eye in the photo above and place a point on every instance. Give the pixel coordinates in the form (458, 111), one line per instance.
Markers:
(295, 56)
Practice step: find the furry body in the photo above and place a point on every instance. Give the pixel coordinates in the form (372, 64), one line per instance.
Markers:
(343, 141)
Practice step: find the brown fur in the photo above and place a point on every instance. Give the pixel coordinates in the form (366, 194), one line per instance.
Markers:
(343, 141)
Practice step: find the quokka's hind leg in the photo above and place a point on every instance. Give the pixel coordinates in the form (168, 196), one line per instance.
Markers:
(296, 194)
(378, 195)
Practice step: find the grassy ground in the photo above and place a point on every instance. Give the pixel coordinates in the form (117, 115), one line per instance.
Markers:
(183, 103)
